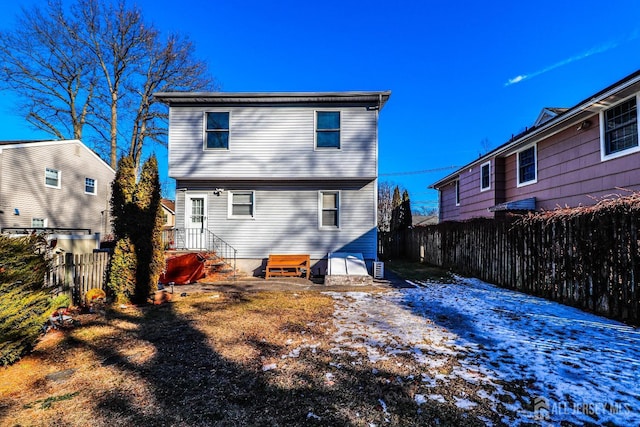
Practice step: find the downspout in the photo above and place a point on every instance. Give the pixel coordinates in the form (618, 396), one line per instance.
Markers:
(1, 193)
(375, 189)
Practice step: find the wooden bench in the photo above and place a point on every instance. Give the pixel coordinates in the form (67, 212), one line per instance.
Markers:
(288, 266)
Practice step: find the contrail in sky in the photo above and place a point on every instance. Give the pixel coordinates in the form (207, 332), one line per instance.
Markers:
(595, 50)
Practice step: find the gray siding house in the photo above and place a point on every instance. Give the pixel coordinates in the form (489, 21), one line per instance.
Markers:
(55, 185)
(277, 173)
(569, 157)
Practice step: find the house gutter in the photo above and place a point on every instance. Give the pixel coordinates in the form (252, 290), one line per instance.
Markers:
(375, 99)
(567, 116)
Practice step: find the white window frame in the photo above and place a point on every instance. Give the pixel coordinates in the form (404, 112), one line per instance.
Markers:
(535, 166)
(230, 214)
(315, 130)
(457, 191)
(321, 209)
(482, 166)
(95, 186)
(44, 222)
(603, 152)
(59, 173)
(204, 132)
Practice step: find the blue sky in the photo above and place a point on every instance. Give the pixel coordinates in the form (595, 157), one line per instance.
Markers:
(460, 72)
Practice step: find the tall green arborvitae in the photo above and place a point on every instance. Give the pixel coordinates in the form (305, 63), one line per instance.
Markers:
(138, 259)
(396, 203)
(122, 193)
(148, 233)
(122, 269)
(25, 303)
(407, 217)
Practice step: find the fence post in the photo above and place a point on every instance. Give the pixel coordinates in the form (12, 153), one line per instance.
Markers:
(68, 275)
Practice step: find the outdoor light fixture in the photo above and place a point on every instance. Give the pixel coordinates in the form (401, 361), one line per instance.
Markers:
(16, 211)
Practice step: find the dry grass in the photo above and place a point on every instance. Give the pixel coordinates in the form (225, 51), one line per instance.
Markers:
(211, 359)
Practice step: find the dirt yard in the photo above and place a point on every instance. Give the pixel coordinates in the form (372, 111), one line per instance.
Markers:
(432, 353)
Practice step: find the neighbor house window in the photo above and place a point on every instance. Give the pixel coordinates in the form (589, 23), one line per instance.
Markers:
(52, 178)
(457, 192)
(327, 129)
(217, 130)
(330, 209)
(527, 173)
(620, 129)
(38, 222)
(485, 176)
(241, 204)
(90, 186)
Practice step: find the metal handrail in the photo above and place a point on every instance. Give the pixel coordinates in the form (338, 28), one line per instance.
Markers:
(199, 239)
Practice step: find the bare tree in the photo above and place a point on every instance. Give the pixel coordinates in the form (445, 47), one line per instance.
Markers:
(42, 62)
(96, 65)
(389, 198)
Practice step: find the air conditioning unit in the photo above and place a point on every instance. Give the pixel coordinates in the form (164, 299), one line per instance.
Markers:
(378, 270)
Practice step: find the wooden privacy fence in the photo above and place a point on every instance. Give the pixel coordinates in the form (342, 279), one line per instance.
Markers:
(76, 274)
(588, 258)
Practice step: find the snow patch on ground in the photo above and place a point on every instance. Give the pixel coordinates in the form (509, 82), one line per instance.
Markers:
(570, 364)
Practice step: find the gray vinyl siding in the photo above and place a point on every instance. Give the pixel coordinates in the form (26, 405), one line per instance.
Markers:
(286, 217)
(22, 186)
(272, 143)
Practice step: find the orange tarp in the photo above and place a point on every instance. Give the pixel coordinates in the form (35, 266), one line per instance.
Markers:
(183, 269)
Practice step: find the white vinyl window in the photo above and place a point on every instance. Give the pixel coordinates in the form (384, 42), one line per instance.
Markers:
(329, 210)
(619, 130)
(216, 132)
(90, 186)
(328, 129)
(52, 178)
(241, 204)
(527, 166)
(38, 222)
(485, 176)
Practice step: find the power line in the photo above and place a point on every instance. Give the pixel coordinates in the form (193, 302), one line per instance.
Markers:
(420, 172)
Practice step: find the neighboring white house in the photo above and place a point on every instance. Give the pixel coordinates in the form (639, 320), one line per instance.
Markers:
(285, 173)
(58, 186)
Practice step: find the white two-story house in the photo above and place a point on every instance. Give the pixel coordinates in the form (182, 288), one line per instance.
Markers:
(277, 173)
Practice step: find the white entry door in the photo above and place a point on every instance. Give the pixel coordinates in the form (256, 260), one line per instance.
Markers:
(195, 220)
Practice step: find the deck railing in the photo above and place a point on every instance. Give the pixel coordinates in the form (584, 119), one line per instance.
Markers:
(199, 239)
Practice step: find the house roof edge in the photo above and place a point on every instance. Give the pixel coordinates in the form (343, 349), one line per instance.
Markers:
(527, 135)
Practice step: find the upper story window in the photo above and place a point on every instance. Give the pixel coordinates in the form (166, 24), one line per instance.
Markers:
(485, 176)
(90, 186)
(241, 204)
(619, 132)
(327, 129)
(52, 178)
(457, 192)
(217, 130)
(330, 209)
(527, 169)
